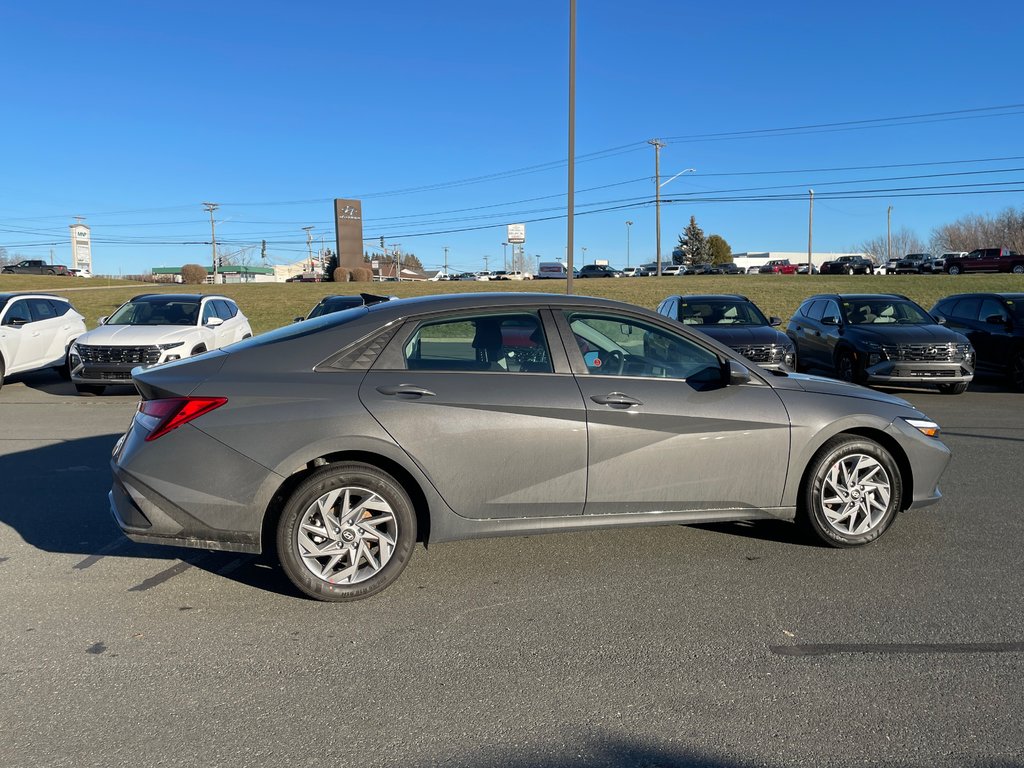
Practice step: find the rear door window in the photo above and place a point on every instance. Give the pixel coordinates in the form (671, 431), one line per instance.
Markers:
(502, 343)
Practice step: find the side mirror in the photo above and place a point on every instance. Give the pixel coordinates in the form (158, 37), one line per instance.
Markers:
(738, 373)
(103, 320)
(774, 321)
(939, 319)
(996, 320)
(298, 319)
(213, 322)
(15, 322)
(830, 320)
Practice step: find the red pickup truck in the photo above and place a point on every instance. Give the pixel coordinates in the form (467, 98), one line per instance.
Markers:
(778, 267)
(986, 260)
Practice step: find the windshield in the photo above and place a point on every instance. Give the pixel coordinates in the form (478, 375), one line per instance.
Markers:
(335, 304)
(720, 312)
(156, 312)
(882, 311)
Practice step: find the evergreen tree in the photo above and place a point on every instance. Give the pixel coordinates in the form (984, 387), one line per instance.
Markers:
(693, 245)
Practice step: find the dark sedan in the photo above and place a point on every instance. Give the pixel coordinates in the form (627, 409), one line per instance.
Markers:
(344, 440)
(994, 323)
(736, 322)
(882, 339)
(339, 303)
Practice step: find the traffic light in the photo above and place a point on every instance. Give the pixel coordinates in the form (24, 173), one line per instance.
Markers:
(382, 241)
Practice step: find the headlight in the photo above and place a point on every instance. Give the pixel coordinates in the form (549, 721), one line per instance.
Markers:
(969, 355)
(789, 357)
(924, 426)
(876, 353)
(172, 345)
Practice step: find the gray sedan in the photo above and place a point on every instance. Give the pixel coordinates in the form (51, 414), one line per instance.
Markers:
(345, 439)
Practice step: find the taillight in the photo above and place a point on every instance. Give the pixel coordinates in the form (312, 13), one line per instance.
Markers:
(161, 416)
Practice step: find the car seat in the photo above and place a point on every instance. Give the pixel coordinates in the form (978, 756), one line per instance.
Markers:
(487, 342)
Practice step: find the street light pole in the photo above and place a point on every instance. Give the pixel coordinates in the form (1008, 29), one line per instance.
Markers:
(309, 245)
(504, 254)
(810, 230)
(657, 196)
(571, 200)
(888, 239)
(210, 208)
(628, 225)
(583, 248)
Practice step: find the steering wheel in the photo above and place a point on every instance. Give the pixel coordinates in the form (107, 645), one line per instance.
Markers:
(615, 362)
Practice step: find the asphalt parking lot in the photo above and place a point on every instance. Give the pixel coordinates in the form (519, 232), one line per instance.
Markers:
(710, 646)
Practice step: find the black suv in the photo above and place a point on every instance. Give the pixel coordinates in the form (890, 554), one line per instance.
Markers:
(736, 322)
(914, 264)
(994, 322)
(880, 338)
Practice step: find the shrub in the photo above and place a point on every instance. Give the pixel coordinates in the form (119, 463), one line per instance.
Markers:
(362, 275)
(193, 274)
(342, 275)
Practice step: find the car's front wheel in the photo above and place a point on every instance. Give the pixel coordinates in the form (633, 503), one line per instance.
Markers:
(346, 532)
(953, 270)
(851, 492)
(957, 388)
(847, 367)
(1017, 371)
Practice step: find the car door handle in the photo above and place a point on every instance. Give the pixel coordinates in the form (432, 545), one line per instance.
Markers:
(404, 390)
(616, 400)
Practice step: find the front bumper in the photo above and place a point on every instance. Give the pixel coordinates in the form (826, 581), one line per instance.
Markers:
(907, 372)
(928, 458)
(108, 373)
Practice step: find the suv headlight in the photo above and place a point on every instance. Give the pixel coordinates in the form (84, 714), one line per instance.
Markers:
(789, 357)
(876, 353)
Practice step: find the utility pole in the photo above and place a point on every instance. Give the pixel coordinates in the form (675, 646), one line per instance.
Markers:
(486, 260)
(570, 221)
(628, 225)
(210, 208)
(309, 245)
(583, 250)
(446, 261)
(657, 196)
(888, 239)
(504, 254)
(810, 229)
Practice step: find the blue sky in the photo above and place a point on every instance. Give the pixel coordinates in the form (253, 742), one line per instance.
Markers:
(134, 113)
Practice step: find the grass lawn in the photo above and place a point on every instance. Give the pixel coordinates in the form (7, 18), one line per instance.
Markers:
(270, 305)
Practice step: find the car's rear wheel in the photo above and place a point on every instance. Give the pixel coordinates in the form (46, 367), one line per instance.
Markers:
(1018, 269)
(90, 389)
(847, 367)
(850, 271)
(957, 388)
(953, 270)
(851, 493)
(1017, 371)
(2, 372)
(346, 532)
(64, 369)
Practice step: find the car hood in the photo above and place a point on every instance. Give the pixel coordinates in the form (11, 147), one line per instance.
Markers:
(136, 335)
(822, 386)
(743, 335)
(891, 333)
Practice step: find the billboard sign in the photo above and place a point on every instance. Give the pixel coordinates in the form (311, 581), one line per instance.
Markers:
(81, 247)
(516, 233)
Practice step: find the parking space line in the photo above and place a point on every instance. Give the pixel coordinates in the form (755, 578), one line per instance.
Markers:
(97, 556)
(834, 649)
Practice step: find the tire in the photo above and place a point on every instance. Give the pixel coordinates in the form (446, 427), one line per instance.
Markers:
(1018, 269)
(373, 555)
(3, 371)
(849, 271)
(953, 389)
(197, 350)
(851, 492)
(847, 367)
(50, 272)
(90, 389)
(953, 270)
(64, 369)
(1016, 371)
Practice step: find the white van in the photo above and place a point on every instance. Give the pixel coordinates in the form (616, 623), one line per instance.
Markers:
(553, 270)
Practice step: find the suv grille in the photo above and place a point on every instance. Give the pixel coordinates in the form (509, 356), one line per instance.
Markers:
(931, 353)
(762, 353)
(123, 355)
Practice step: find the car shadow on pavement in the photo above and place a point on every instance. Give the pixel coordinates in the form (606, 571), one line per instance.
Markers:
(49, 381)
(55, 499)
(778, 531)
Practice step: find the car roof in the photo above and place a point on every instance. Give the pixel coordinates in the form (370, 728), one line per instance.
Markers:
(710, 297)
(30, 295)
(984, 294)
(846, 296)
(470, 301)
(177, 297)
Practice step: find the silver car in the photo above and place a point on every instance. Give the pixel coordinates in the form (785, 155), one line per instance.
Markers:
(344, 440)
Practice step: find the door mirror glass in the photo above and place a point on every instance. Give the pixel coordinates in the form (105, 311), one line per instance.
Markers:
(213, 322)
(738, 373)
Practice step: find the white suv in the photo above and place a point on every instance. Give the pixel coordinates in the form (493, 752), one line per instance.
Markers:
(36, 331)
(151, 329)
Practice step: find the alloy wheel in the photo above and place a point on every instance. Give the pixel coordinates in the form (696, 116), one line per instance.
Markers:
(347, 535)
(855, 494)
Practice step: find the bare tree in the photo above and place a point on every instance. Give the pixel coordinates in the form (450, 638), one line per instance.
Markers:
(1006, 230)
(904, 241)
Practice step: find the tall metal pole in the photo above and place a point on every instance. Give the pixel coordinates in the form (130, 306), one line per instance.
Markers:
(628, 225)
(309, 245)
(888, 238)
(446, 261)
(657, 196)
(810, 230)
(570, 223)
(504, 254)
(210, 208)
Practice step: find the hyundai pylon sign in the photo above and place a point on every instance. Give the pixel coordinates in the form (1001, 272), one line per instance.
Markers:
(516, 233)
(348, 232)
(81, 247)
